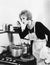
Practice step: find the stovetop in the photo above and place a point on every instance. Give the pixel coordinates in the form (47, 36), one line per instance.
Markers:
(12, 60)
(7, 57)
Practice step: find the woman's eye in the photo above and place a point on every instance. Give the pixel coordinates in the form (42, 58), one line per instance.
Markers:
(23, 18)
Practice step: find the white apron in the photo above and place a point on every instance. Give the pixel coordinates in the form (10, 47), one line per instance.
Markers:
(39, 47)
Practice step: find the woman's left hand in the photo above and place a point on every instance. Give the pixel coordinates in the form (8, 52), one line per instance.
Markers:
(24, 41)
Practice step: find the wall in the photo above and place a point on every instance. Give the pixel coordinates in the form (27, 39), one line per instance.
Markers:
(10, 9)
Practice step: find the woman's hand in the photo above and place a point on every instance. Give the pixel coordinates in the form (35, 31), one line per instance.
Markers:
(19, 23)
(24, 41)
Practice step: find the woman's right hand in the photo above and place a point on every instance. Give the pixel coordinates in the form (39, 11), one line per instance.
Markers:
(20, 24)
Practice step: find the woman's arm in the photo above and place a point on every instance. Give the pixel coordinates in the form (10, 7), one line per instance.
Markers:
(23, 33)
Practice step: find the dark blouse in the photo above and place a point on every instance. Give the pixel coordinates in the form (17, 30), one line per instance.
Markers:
(40, 31)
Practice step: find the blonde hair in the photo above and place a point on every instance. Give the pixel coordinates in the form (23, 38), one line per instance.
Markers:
(26, 13)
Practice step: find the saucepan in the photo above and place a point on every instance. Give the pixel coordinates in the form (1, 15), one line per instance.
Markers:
(16, 51)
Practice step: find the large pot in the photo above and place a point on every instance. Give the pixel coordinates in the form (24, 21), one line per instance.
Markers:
(16, 51)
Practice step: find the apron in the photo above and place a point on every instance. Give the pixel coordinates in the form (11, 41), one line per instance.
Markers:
(39, 47)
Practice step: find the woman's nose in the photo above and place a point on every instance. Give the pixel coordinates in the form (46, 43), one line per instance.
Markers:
(23, 22)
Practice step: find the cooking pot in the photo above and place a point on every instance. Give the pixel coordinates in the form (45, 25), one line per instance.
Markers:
(16, 51)
(25, 48)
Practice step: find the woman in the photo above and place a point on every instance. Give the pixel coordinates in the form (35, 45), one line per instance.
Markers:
(27, 26)
(34, 31)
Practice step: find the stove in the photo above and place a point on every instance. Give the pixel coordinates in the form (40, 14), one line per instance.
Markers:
(9, 59)
(6, 57)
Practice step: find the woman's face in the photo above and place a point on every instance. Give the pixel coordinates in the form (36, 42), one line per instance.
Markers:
(24, 19)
